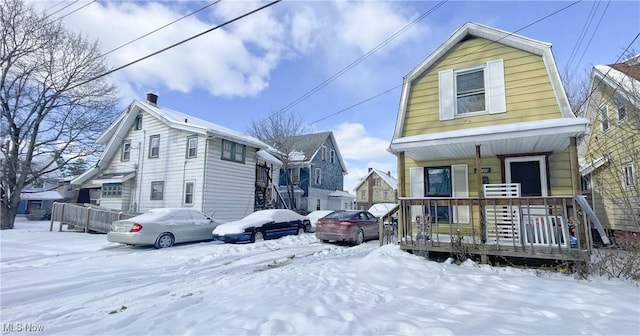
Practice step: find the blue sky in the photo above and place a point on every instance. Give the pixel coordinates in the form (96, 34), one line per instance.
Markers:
(263, 63)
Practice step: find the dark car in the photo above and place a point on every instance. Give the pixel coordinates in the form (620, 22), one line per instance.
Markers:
(350, 226)
(263, 224)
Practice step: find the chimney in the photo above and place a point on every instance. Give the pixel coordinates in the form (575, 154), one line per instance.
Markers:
(152, 99)
(388, 173)
(369, 169)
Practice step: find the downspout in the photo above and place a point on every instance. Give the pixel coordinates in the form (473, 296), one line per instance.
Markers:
(144, 140)
(204, 171)
(184, 172)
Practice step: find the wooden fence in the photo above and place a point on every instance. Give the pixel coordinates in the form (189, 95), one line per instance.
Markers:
(87, 217)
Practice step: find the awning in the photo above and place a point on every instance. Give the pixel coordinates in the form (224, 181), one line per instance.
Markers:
(264, 155)
(524, 137)
(113, 178)
(588, 167)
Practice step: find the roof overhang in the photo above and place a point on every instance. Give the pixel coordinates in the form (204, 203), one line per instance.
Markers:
(40, 195)
(114, 178)
(267, 157)
(587, 168)
(525, 137)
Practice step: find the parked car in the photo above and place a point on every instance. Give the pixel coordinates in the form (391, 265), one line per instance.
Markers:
(262, 224)
(162, 228)
(315, 215)
(352, 226)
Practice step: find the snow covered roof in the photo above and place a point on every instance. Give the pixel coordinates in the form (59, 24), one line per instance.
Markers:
(40, 195)
(340, 193)
(264, 155)
(586, 167)
(386, 177)
(307, 146)
(615, 78)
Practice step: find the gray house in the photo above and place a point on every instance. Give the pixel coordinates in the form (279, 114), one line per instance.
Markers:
(317, 170)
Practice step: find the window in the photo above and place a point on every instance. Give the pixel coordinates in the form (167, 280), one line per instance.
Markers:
(628, 178)
(471, 91)
(138, 124)
(192, 146)
(332, 156)
(126, 150)
(188, 193)
(470, 95)
(154, 146)
(376, 181)
(157, 190)
(318, 176)
(386, 195)
(363, 194)
(604, 117)
(294, 175)
(621, 107)
(324, 153)
(318, 204)
(112, 190)
(232, 151)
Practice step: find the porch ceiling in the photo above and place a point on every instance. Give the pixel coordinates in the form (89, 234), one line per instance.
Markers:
(525, 137)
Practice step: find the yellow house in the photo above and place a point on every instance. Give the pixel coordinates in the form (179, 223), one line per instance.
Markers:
(612, 147)
(376, 187)
(486, 146)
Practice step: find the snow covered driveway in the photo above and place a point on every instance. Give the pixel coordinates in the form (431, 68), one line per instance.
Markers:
(80, 284)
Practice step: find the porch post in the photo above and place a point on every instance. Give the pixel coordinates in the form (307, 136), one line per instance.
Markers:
(402, 192)
(575, 168)
(483, 238)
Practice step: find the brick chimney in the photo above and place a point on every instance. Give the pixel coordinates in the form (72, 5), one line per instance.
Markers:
(152, 99)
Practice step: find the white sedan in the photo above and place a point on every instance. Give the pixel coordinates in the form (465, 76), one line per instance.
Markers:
(315, 215)
(262, 224)
(162, 227)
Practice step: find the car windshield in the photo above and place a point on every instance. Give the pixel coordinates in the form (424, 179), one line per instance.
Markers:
(340, 215)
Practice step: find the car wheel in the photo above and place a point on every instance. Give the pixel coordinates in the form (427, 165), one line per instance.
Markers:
(257, 236)
(324, 240)
(301, 230)
(360, 237)
(164, 240)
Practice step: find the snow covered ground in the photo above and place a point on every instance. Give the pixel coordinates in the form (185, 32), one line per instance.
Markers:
(80, 284)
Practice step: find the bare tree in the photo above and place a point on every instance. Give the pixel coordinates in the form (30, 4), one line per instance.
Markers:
(279, 131)
(53, 102)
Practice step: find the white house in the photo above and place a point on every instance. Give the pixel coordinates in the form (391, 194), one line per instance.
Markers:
(156, 157)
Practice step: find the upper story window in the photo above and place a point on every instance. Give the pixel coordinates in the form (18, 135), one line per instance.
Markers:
(324, 153)
(376, 181)
(386, 195)
(138, 123)
(192, 146)
(154, 146)
(621, 107)
(294, 175)
(628, 177)
(232, 151)
(126, 150)
(112, 190)
(318, 176)
(363, 194)
(471, 91)
(332, 156)
(604, 117)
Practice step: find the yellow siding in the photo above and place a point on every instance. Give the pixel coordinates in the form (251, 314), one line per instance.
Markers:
(528, 89)
(560, 173)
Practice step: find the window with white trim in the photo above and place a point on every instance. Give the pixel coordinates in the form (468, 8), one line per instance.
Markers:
(363, 194)
(604, 117)
(294, 175)
(112, 190)
(138, 124)
(324, 153)
(126, 150)
(318, 176)
(332, 156)
(621, 107)
(188, 193)
(157, 190)
(628, 176)
(192, 146)
(232, 151)
(154, 146)
(473, 90)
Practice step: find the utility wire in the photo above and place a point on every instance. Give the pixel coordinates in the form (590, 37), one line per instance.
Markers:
(455, 59)
(583, 33)
(160, 28)
(591, 38)
(174, 45)
(64, 16)
(59, 10)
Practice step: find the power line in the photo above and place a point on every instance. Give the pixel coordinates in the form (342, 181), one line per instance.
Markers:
(59, 10)
(64, 16)
(583, 32)
(455, 59)
(591, 38)
(175, 44)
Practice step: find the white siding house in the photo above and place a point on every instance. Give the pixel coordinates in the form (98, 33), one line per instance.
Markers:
(156, 157)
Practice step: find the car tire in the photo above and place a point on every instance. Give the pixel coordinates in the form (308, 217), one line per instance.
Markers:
(257, 236)
(324, 240)
(301, 230)
(164, 240)
(359, 237)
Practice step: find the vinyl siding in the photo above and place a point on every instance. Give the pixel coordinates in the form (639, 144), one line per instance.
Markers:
(529, 94)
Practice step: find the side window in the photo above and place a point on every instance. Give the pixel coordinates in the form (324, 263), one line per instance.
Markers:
(621, 107)
(188, 193)
(126, 150)
(604, 117)
(324, 153)
(138, 123)
(232, 151)
(154, 146)
(318, 176)
(332, 157)
(157, 190)
(192, 146)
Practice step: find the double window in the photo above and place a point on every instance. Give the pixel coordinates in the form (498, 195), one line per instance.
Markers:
(154, 146)
(112, 190)
(157, 190)
(126, 150)
(232, 151)
(192, 146)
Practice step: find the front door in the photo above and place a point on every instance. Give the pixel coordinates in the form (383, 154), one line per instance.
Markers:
(530, 172)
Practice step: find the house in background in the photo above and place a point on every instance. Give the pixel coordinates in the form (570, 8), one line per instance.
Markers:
(316, 171)
(156, 157)
(376, 187)
(611, 150)
(486, 146)
(37, 199)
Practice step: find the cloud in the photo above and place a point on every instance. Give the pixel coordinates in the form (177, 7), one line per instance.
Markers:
(356, 144)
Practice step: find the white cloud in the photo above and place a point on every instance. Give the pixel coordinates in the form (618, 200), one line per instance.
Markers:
(356, 144)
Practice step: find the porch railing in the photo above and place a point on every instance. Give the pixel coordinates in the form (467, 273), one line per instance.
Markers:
(545, 227)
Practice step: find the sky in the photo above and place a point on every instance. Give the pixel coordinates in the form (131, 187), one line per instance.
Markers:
(67, 283)
(337, 65)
